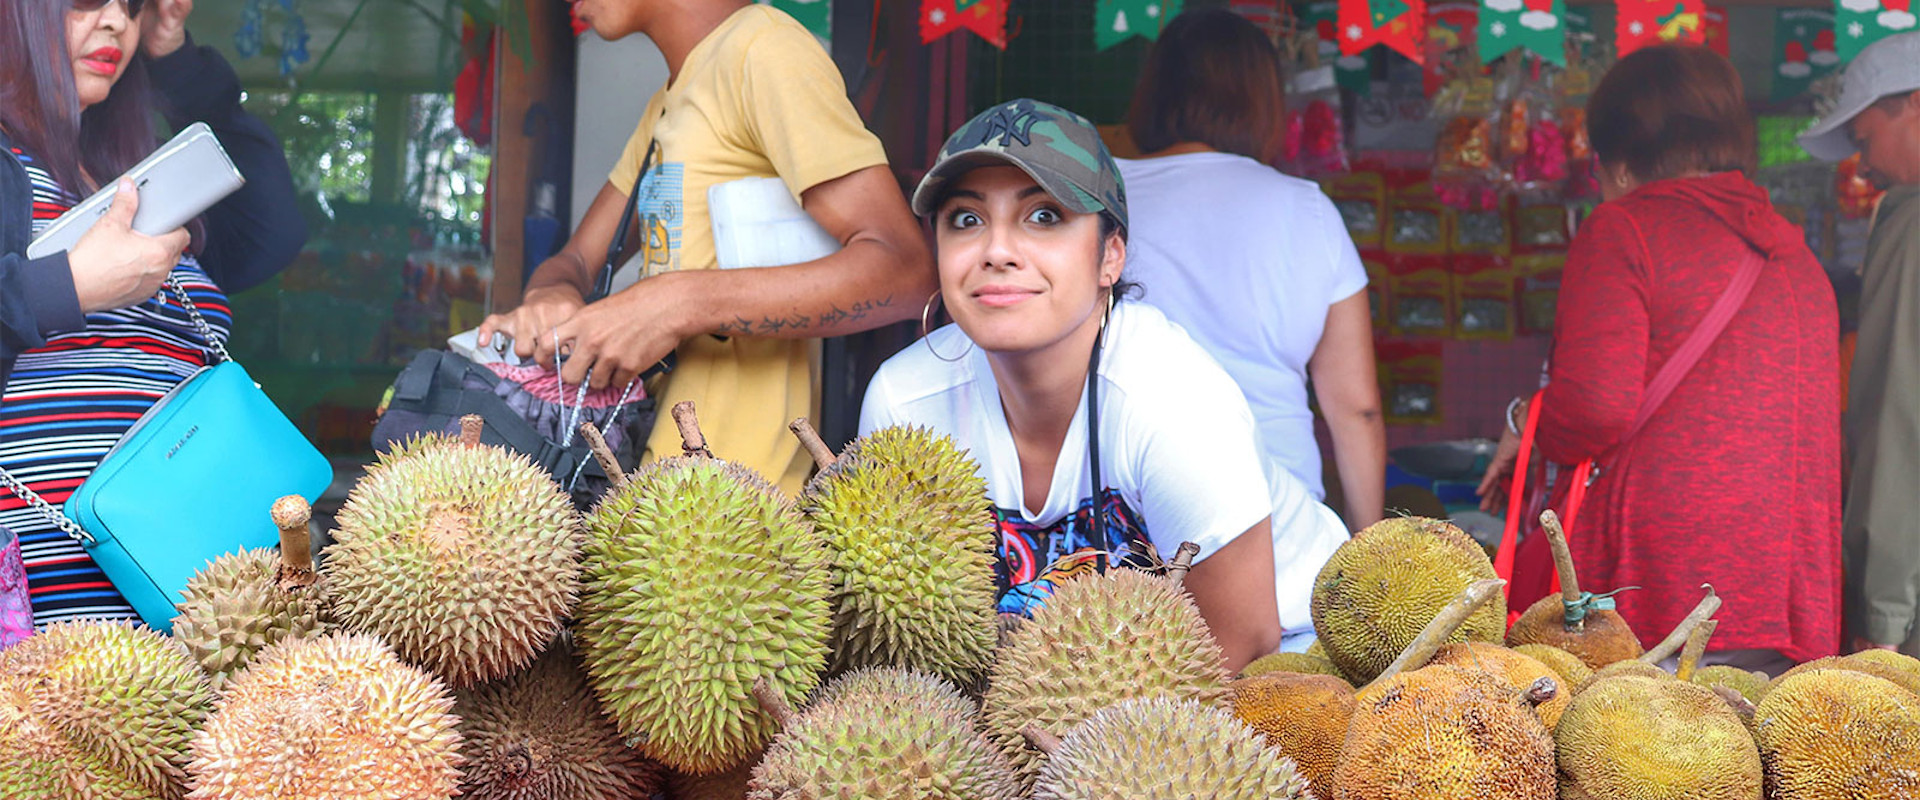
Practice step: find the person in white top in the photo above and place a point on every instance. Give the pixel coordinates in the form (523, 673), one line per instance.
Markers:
(1030, 228)
(1255, 264)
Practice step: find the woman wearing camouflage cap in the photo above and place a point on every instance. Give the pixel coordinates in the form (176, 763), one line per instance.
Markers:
(1156, 447)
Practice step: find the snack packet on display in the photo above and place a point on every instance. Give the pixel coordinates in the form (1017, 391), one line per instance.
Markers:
(1316, 136)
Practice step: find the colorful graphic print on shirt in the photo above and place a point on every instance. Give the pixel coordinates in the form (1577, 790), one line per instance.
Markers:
(662, 212)
(1036, 559)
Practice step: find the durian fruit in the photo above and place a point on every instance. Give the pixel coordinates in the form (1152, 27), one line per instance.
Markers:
(463, 557)
(1318, 650)
(1838, 734)
(881, 733)
(906, 518)
(1099, 640)
(1577, 622)
(1640, 738)
(1518, 670)
(1378, 590)
(540, 735)
(1304, 717)
(1751, 685)
(729, 785)
(1441, 732)
(1878, 663)
(1569, 667)
(245, 602)
(98, 711)
(701, 578)
(1151, 748)
(1291, 662)
(333, 716)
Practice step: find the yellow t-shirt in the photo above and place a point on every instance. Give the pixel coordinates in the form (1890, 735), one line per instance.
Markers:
(757, 98)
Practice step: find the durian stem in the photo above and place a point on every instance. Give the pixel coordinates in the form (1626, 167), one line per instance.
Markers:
(1182, 562)
(470, 427)
(775, 705)
(1562, 560)
(1741, 705)
(290, 515)
(1442, 627)
(603, 454)
(809, 438)
(1542, 692)
(691, 440)
(1696, 647)
(1042, 741)
(1672, 644)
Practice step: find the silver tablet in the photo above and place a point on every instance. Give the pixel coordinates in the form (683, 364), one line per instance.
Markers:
(178, 182)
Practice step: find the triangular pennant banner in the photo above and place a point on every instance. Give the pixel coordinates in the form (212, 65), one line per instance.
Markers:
(1803, 50)
(987, 18)
(1537, 26)
(1398, 24)
(1640, 23)
(1353, 72)
(1858, 23)
(1115, 21)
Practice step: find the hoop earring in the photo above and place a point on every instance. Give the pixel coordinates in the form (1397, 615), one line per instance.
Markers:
(926, 327)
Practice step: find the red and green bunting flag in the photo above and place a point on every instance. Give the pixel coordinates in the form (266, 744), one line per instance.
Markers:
(1646, 22)
(1353, 72)
(1858, 23)
(1715, 24)
(1115, 21)
(1398, 24)
(1803, 51)
(1536, 26)
(987, 18)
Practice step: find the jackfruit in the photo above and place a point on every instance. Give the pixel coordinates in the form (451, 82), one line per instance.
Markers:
(462, 557)
(1878, 663)
(98, 711)
(1751, 685)
(1631, 667)
(1291, 662)
(1569, 667)
(1519, 671)
(906, 518)
(540, 735)
(881, 733)
(1099, 640)
(244, 602)
(1381, 586)
(1447, 733)
(1192, 751)
(1304, 717)
(701, 578)
(1598, 635)
(1637, 738)
(329, 717)
(1838, 734)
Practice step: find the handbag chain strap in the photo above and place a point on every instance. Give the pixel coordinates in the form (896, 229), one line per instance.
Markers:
(40, 504)
(199, 322)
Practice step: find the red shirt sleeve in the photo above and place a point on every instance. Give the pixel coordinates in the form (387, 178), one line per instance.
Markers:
(1600, 339)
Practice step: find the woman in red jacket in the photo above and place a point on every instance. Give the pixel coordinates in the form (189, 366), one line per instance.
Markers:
(1733, 480)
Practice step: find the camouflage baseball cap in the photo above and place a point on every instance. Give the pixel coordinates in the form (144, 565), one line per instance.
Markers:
(1061, 150)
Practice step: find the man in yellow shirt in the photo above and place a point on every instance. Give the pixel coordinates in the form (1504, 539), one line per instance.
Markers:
(750, 94)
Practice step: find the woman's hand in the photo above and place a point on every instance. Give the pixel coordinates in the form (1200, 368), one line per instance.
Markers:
(1499, 474)
(163, 27)
(115, 266)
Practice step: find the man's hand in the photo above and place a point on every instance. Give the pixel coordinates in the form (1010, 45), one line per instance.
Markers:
(163, 27)
(623, 335)
(531, 325)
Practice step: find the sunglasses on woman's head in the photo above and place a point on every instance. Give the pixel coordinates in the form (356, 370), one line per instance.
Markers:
(133, 6)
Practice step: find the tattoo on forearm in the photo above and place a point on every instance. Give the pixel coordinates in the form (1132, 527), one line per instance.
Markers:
(834, 315)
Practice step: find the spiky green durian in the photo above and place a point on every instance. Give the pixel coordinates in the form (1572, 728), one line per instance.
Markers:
(245, 602)
(463, 557)
(906, 516)
(98, 711)
(701, 578)
(1376, 592)
(1158, 748)
(883, 733)
(1097, 641)
(540, 735)
(329, 717)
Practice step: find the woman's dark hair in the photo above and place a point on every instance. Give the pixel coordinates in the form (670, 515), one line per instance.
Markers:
(1122, 288)
(1668, 110)
(1212, 78)
(40, 108)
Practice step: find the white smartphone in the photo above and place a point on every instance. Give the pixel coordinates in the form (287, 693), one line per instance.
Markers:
(178, 182)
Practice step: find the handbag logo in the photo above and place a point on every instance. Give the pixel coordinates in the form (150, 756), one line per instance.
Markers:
(182, 443)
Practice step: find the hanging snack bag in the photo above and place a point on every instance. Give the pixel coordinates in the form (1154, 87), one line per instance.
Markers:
(1479, 232)
(1361, 198)
(1536, 282)
(1483, 290)
(1466, 170)
(1316, 137)
(1540, 227)
(1379, 280)
(1410, 381)
(1420, 297)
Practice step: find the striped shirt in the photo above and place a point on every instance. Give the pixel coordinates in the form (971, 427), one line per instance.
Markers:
(68, 401)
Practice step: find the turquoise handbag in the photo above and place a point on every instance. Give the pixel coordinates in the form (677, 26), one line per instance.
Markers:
(192, 480)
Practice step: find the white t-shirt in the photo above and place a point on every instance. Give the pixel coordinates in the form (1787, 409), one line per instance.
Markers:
(1180, 461)
(1248, 260)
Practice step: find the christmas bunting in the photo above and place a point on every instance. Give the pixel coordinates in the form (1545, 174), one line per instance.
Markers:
(1267, 15)
(1398, 24)
(1353, 73)
(987, 18)
(1537, 26)
(1450, 30)
(1803, 51)
(1115, 21)
(1646, 22)
(814, 15)
(1858, 23)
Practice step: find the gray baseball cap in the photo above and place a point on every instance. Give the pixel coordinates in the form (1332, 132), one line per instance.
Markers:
(1059, 149)
(1889, 66)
